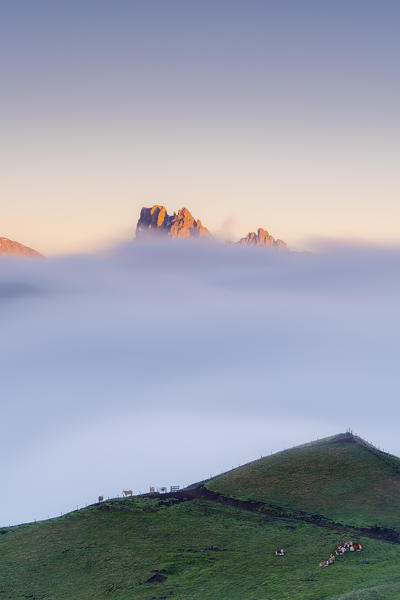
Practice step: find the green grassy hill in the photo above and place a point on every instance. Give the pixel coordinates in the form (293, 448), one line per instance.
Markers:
(205, 550)
(342, 478)
(203, 546)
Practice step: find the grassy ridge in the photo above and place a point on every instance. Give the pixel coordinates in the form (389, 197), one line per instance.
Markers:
(346, 480)
(206, 551)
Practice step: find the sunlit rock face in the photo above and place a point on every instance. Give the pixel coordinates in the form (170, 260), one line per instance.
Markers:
(9, 247)
(179, 225)
(182, 225)
(262, 238)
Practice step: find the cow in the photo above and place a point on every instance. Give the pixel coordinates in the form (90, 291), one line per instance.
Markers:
(341, 549)
(355, 547)
(350, 545)
(127, 492)
(280, 552)
(100, 499)
(326, 563)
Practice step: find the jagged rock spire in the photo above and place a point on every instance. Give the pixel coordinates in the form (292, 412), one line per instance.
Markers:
(182, 225)
(179, 225)
(261, 238)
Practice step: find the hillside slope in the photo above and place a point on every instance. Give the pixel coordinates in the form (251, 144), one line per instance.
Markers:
(199, 550)
(218, 543)
(342, 478)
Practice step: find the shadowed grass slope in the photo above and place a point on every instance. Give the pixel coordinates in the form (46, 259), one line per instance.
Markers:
(205, 550)
(342, 478)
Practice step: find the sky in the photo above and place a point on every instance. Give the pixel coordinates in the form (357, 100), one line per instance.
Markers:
(163, 364)
(282, 115)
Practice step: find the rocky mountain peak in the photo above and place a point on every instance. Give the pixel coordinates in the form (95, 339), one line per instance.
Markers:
(9, 247)
(262, 238)
(182, 224)
(179, 225)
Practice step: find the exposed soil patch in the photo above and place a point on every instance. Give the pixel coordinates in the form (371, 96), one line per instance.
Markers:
(200, 492)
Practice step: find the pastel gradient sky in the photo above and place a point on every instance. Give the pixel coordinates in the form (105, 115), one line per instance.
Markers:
(251, 113)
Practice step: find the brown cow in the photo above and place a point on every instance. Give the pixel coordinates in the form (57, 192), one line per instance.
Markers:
(356, 547)
(326, 563)
(341, 549)
(100, 499)
(127, 492)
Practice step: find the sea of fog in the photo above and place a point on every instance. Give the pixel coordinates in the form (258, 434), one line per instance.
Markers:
(162, 364)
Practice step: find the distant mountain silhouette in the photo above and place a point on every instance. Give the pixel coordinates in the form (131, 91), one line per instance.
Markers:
(9, 247)
(262, 238)
(183, 225)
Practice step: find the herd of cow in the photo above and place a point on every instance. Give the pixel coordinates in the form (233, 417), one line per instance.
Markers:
(343, 547)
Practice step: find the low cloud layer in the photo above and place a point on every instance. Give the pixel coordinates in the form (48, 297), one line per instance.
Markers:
(160, 364)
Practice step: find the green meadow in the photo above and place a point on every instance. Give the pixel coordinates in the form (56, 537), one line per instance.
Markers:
(201, 549)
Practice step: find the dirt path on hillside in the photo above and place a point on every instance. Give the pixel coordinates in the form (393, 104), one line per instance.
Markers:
(200, 492)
